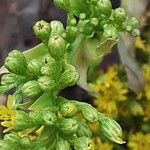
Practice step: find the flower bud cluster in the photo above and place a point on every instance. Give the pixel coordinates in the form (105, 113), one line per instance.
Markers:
(49, 73)
(64, 124)
(96, 17)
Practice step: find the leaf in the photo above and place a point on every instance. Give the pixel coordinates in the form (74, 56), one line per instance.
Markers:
(126, 52)
(89, 55)
(36, 52)
(42, 102)
(33, 53)
(105, 47)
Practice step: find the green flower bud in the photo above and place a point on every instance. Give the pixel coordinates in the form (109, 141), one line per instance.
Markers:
(62, 145)
(133, 22)
(71, 20)
(104, 7)
(32, 89)
(22, 121)
(135, 32)
(111, 129)
(89, 113)
(83, 143)
(94, 22)
(69, 77)
(68, 126)
(71, 33)
(84, 130)
(51, 68)
(86, 28)
(16, 63)
(68, 109)
(49, 118)
(35, 66)
(8, 145)
(64, 4)
(46, 83)
(8, 79)
(42, 30)
(57, 28)
(110, 32)
(82, 16)
(56, 46)
(119, 15)
(36, 118)
(48, 70)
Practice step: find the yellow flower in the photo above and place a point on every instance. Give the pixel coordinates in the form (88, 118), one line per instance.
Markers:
(109, 86)
(7, 115)
(141, 44)
(146, 74)
(109, 108)
(109, 90)
(139, 141)
(32, 133)
(99, 145)
(147, 111)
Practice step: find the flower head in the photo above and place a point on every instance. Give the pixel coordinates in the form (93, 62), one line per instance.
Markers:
(139, 141)
(146, 74)
(99, 145)
(7, 115)
(109, 90)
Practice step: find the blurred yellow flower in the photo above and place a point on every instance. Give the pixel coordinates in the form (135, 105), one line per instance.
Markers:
(146, 74)
(139, 141)
(136, 108)
(99, 145)
(109, 89)
(141, 44)
(147, 111)
(109, 108)
(7, 115)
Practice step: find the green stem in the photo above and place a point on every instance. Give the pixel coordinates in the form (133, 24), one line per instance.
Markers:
(77, 43)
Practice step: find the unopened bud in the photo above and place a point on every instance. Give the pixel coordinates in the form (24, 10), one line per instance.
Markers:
(83, 143)
(110, 32)
(84, 130)
(49, 117)
(42, 30)
(56, 46)
(111, 129)
(68, 109)
(69, 77)
(119, 15)
(104, 7)
(57, 28)
(89, 113)
(35, 66)
(16, 62)
(8, 79)
(68, 126)
(32, 89)
(62, 145)
(46, 83)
